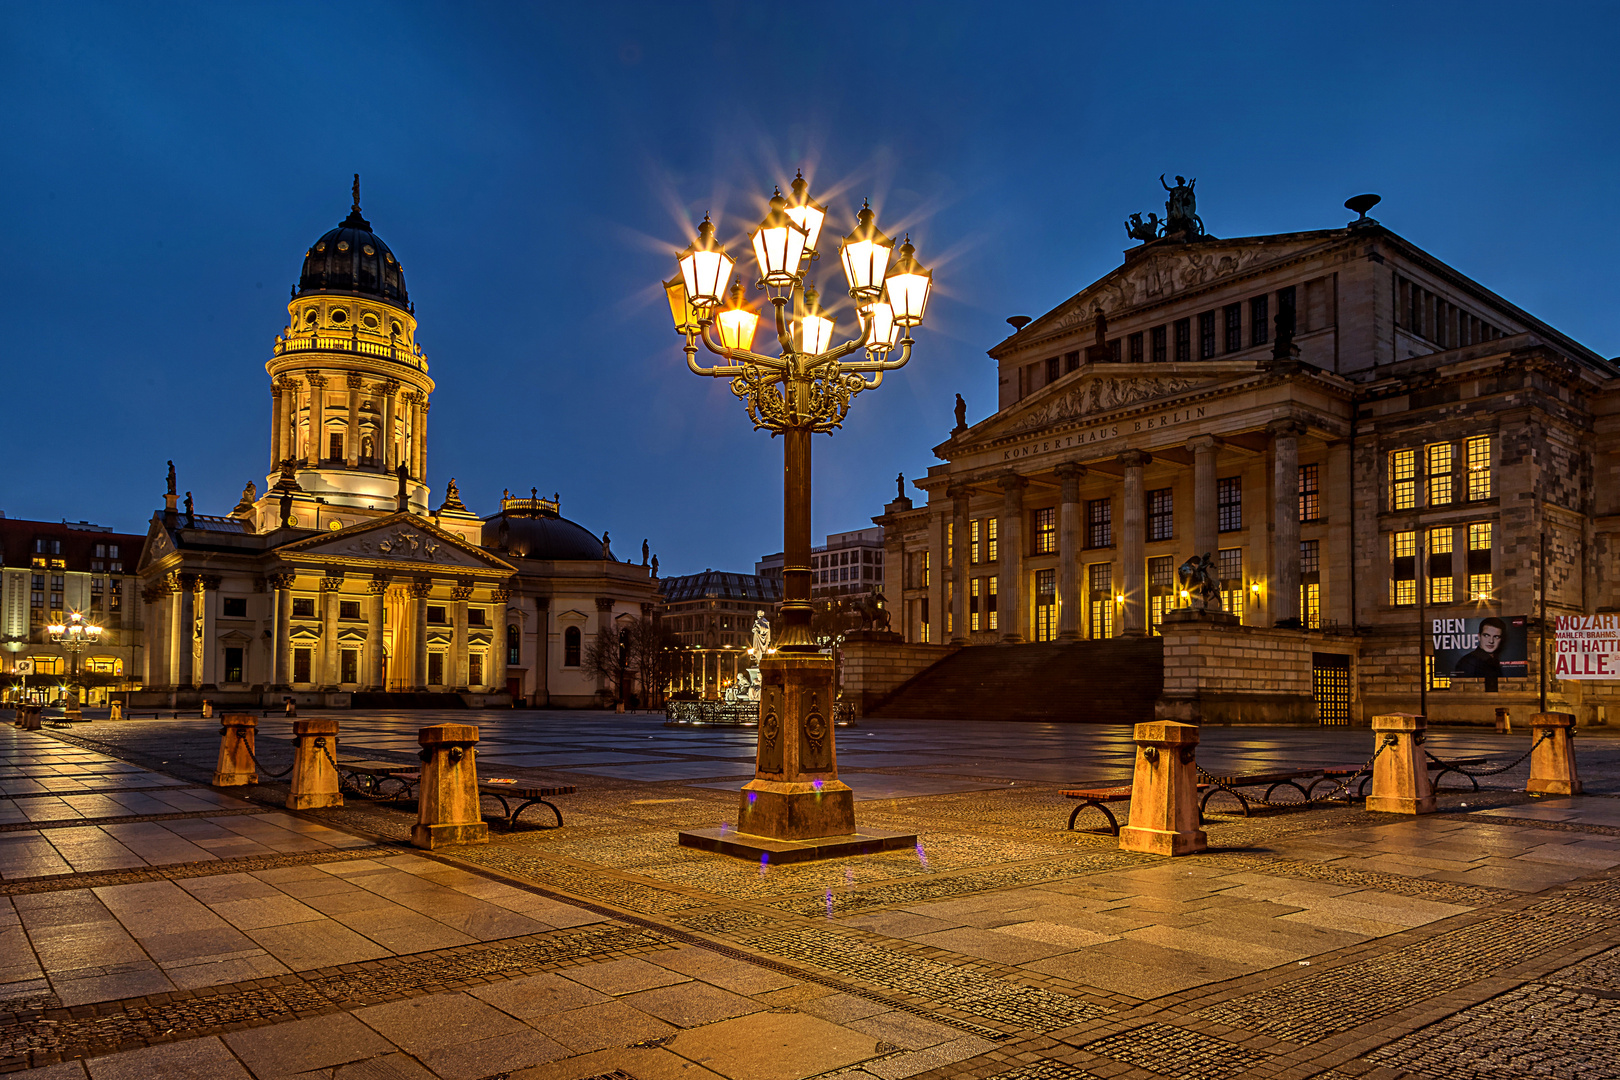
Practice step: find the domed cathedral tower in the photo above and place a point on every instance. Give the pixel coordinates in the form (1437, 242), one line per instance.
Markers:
(349, 387)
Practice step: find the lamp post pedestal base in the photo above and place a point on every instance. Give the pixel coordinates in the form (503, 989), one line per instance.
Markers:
(796, 808)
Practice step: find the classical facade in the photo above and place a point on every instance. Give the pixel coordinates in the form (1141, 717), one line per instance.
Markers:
(50, 569)
(1336, 417)
(338, 583)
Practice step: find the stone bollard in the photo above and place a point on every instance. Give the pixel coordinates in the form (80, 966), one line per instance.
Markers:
(291, 706)
(1552, 761)
(29, 717)
(236, 766)
(314, 776)
(116, 712)
(207, 709)
(1504, 721)
(1400, 779)
(1164, 792)
(447, 794)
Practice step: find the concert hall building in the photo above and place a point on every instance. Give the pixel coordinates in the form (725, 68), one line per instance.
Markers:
(1413, 441)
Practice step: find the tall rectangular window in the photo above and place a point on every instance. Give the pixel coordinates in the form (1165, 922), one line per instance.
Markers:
(993, 545)
(973, 604)
(974, 529)
(1052, 369)
(1071, 361)
(1310, 492)
(1229, 568)
(1229, 503)
(1046, 531)
(1045, 605)
(990, 601)
(436, 669)
(1135, 342)
(1206, 335)
(1161, 515)
(1285, 308)
(1234, 327)
(1100, 587)
(233, 666)
(1259, 321)
(1310, 605)
(1402, 479)
(1437, 467)
(301, 665)
(1479, 561)
(1403, 568)
(927, 570)
(1478, 452)
(1099, 523)
(1439, 570)
(335, 447)
(475, 669)
(1183, 329)
(349, 666)
(922, 620)
(1161, 575)
(1310, 557)
(1158, 333)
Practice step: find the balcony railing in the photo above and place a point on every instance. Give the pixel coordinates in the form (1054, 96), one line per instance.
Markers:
(352, 343)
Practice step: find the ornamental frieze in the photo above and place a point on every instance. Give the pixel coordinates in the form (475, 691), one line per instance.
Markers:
(1101, 395)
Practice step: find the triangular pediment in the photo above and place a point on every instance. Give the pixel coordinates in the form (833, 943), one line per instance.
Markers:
(158, 544)
(1163, 270)
(1100, 390)
(401, 538)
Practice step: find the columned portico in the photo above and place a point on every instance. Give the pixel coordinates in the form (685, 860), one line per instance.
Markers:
(185, 600)
(1069, 605)
(328, 677)
(1285, 520)
(420, 589)
(376, 670)
(281, 584)
(1206, 521)
(495, 676)
(1010, 554)
(1132, 542)
(457, 675)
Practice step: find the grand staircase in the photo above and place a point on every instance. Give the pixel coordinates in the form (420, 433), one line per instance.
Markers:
(1087, 682)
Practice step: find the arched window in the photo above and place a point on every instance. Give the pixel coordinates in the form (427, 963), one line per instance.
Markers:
(571, 647)
(514, 645)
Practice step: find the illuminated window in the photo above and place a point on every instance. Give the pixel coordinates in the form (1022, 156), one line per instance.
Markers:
(1478, 460)
(950, 538)
(1229, 503)
(1479, 561)
(1438, 468)
(1439, 570)
(928, 572)
(922, 621)
(993, 552)
(973, 542)
(1310, 492)
(1229, 568)
(1100, 584)
(973, 605)
(1310, 605)
(475, 669)
(1436, 682)
(1403, 568)
(1045, 605)
(1046, 531)
(1161, 575)
(1099, 523)
(1161, 515)
(990, 601)
(950, 607)
(1402, 479)
(348, 666)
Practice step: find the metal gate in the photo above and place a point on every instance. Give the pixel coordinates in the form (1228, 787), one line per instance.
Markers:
(1330, 677)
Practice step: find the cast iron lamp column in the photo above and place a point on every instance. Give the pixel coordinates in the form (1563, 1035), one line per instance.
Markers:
(74, 634)
(796, 794)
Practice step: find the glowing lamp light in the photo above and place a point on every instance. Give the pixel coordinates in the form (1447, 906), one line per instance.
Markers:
(737, 323)
(865, 255)
(814, 328)
(705, 268)
(1254, 587)
(687, 318)
(56, 628)
(909, 285)
(885, 334)
(806, 213)
(779, 244)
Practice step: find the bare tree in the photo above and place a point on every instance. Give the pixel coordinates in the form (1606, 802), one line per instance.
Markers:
(652, 658)
(605, 659)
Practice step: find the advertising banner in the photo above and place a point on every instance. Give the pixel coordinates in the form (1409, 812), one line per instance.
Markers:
(1588, 647)
(24, 667)
(1488, 647)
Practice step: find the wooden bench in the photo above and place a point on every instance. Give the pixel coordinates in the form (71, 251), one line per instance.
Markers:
(505, 788)
(1099, 797)
(377, 772)
(1270, 780)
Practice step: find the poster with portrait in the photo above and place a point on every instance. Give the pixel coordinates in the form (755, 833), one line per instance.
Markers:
(24, 666)
(1487, 647)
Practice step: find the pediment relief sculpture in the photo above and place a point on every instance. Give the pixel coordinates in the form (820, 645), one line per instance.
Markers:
(1101, 395)
(1159, 276)
(402, 543)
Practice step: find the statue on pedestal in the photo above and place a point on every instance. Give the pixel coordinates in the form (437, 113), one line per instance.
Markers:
(1198, 579)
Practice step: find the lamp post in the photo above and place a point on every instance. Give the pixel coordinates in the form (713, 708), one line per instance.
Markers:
(796, 795)
(73, 634)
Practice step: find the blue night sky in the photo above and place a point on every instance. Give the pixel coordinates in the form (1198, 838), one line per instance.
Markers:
(535, 168)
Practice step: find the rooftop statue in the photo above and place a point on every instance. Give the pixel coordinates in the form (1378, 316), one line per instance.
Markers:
(1181, 208)
(961, 414)
(1137, 229)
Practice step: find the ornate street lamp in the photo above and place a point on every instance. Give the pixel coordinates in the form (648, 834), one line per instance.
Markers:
(796, 796)
(74, 635)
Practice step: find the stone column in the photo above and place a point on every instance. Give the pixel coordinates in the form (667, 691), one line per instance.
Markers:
(210, 650)
(1285, 518)
(1012, 614)
(495, 670)
(385, 452)
(959, 566)
(289, 421)
(419, 650)
(156, 598)
(1070, 604)
(330, 674)
(351, 439)
(1336, 559)
(185, 613)
(1133, 544)
(458, 678)
(317, 420)
(1206, 512)
(421, 437)
(376, 669)
(278, 424)
(282, 584)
